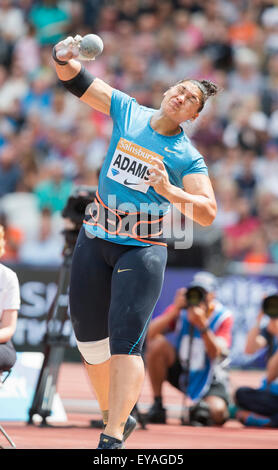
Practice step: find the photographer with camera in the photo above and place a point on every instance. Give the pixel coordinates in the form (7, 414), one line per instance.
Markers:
(188, 346)
(259, 407)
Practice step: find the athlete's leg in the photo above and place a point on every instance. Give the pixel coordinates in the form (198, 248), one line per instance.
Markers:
(89, 306)
(136, 285)
(99, 376)
(126, 380)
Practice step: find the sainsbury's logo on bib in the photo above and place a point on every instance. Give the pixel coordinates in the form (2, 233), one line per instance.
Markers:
(130, 165)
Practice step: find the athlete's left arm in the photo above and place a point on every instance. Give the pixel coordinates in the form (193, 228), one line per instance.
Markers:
(197, 191)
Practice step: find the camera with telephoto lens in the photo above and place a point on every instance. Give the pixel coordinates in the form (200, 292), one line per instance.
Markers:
(270, 306)
(195, 295)
(75, 212)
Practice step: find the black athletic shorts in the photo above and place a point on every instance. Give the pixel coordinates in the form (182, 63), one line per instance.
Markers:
(216, 389)
(113, 291)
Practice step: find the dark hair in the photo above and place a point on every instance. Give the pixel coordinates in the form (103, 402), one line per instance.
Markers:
(207, 88)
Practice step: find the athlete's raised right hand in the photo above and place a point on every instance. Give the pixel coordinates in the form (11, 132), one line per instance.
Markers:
(98, 94)
(68, 48)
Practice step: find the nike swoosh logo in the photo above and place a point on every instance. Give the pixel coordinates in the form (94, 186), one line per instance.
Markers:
(122, 270)
(168, 150)
(128, 183)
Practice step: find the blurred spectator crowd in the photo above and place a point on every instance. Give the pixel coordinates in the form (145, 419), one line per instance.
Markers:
(50, 141)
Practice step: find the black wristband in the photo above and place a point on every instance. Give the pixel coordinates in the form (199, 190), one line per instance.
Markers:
(54, 56)
(80, 83)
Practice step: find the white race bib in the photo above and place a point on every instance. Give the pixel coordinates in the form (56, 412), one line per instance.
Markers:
(130, 165)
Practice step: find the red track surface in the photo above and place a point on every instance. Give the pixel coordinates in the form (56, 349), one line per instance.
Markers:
(80, 405)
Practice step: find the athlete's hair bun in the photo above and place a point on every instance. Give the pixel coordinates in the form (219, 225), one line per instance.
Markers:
(210, 88)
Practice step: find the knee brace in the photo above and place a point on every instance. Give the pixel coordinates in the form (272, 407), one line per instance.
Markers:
(94, 352)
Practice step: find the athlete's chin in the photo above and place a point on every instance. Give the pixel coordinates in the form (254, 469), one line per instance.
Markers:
(172, 114)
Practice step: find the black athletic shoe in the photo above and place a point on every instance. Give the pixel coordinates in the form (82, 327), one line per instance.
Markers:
(130, 425)
(156, 414)
(108, 442)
